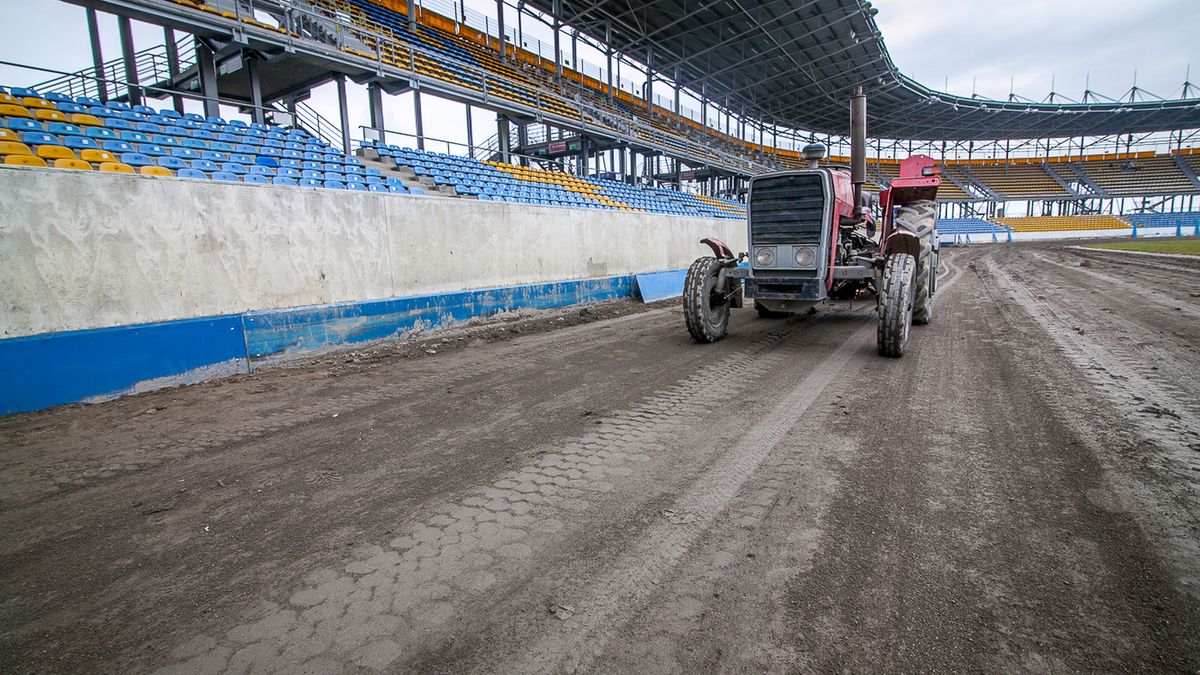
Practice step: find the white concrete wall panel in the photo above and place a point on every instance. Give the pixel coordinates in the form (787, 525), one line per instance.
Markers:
(82, 250)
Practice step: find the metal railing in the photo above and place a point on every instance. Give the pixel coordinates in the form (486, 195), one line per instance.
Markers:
(152, 65)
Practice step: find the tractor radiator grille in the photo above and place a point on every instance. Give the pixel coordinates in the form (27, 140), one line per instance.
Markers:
(787, 209)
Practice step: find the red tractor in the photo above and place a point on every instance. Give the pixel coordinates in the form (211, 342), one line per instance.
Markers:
(812, 238)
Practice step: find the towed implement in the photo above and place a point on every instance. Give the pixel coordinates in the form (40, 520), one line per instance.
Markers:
(813, 238)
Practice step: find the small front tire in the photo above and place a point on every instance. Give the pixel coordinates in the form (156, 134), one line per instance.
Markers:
(705, 308)
(896, 305)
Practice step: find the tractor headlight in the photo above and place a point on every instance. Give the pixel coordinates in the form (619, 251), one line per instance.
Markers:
(806, 257)
(765, 257)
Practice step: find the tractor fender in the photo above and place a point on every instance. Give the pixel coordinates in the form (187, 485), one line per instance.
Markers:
(903, 241)
(719, 249)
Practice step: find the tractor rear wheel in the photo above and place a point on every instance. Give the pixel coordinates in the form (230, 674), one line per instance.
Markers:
(705, 307)
(896, 304)
(921, 217)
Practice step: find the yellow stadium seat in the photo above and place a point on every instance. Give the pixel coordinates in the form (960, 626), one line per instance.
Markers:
(8, 98)
(116, 167)
(75, 164)
(54, 152)
(14, 148)
(96, 156)
(9, 135)
(35, 102)
(10, 110)
(156, 171)
(24, 160)
(49, 116)
(86, 120)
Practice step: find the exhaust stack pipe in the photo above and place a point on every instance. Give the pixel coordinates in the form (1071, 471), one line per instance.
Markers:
(858, 146)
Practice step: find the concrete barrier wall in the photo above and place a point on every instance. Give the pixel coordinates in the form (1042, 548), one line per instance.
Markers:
(111, 285)
(90, 250)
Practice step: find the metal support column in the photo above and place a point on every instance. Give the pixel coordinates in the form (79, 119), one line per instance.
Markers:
(375, 106)
(523, 142)
(256, 98)
(557, 11)
(419, 118)
(173, 65)
(130, 60)
(470, 133)
(97, 54)
(206, 67)
(502, 139)
(344, 113)
(500, 21)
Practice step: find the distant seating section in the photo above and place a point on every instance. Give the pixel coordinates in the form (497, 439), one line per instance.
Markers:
(1011, 181)
(1186, 221)
(49, 132)
(1062, 223)
(960, 226)
(1151, 175)
(42, 132)
(495, 181)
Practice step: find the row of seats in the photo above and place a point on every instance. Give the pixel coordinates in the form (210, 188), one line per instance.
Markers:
(1062, 223)
(959, 226)
(496, 181)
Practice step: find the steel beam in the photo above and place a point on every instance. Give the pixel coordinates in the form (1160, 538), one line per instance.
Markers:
(206, 68)
(343, 113)
(97, 54)
(129, 58)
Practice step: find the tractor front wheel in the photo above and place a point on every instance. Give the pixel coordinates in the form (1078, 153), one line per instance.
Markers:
(921, 217)
(705, 307)
(896, 304)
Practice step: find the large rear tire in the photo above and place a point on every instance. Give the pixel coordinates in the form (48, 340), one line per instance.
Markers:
(896, 305)
(921, 217)
(705, 308)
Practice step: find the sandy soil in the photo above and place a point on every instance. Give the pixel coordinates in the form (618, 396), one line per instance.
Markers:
(589, 490)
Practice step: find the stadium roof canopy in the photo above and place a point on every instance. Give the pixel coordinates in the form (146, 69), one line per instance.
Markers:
(795, 63)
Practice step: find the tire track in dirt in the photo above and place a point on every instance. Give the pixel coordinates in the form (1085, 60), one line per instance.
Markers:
(366, 615)
(1120, 377)
(1153, 296)
(609, 602)
(73, 475)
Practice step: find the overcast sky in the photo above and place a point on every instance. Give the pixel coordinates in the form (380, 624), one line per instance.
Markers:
(941, 43)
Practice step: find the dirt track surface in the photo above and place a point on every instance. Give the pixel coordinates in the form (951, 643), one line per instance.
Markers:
(601, 494)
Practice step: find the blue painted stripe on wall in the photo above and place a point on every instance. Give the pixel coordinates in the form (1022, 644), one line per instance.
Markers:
(661, 285)
(41, 371)
(287, 333)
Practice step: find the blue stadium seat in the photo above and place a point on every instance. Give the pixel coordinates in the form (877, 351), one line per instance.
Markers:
(224, 176)
(310, 182)
(152, 149)
(164, 140)
(283, 180)
(20, 125)
(63, 129)
(38, 138)
(236, 168)
(173, 163)
(136, 159)
(102, 133)
(256, 179)
(334, 185)
(361, 187)
(204, 165)
(81, 143)
(116, 147)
